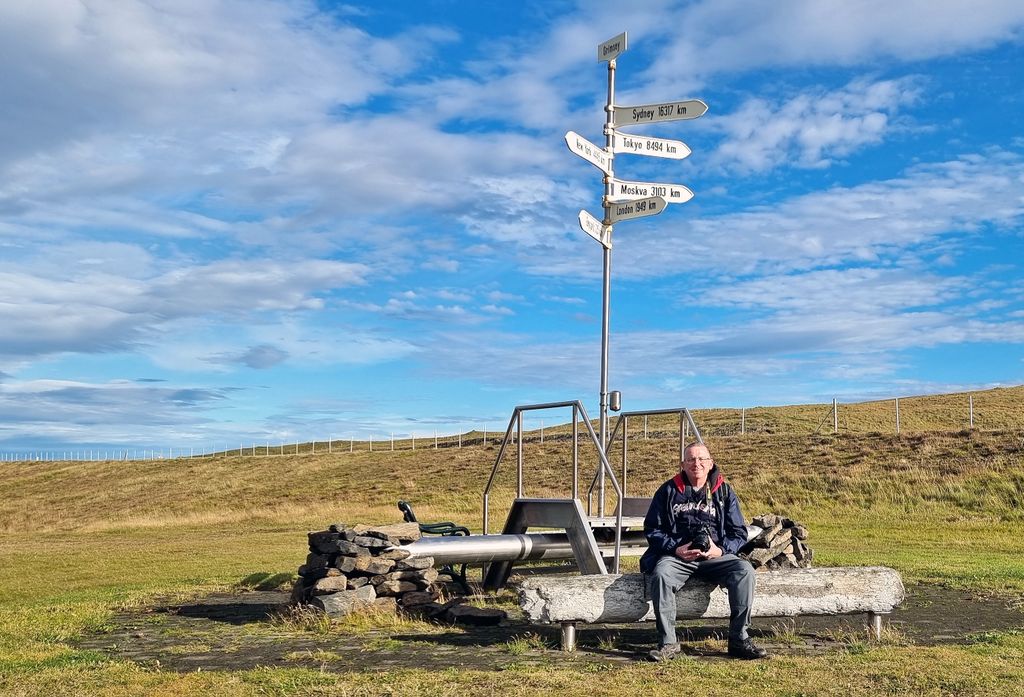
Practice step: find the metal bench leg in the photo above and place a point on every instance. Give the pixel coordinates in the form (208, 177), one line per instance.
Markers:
(875, 625)
(568, 636)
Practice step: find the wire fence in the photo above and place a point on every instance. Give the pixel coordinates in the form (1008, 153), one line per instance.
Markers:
(898, 415)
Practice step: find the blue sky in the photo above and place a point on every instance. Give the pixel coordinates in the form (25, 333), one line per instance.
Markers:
(227, 222)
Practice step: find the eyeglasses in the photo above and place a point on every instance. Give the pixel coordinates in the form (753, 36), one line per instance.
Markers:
(702, 460)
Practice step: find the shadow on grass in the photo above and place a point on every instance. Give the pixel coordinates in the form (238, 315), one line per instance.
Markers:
(263, 581)
(244, 608)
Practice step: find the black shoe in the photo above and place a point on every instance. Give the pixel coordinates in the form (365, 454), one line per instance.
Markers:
(665, 653)
(746, 650)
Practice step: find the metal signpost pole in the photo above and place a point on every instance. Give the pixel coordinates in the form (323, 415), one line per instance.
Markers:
(606, 287)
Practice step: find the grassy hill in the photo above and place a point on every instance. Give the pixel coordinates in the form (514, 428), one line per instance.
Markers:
(971, 474)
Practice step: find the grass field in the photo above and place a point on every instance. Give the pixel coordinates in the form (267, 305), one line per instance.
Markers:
(942, 505)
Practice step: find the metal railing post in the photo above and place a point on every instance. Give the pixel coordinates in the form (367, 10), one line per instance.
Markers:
(625, 439)
(519, 454)
(682, 434)
(575, 453)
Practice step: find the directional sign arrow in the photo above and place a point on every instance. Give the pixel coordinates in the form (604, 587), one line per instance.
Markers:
(654, 147)
(582, 147)
(652, 113)
(611, 48)
(593, 227)
(636, 209)
(672, 193)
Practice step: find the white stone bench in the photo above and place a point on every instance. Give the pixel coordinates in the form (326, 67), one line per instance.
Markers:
(620, 598)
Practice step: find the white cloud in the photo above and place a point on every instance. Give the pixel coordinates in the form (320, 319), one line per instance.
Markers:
(439, 264)
(811, 129)
(826, 228)
(45, 312)
(733, 35)
(850, 290)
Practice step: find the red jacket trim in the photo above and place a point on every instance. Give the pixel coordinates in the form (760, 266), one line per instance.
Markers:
(680, 483)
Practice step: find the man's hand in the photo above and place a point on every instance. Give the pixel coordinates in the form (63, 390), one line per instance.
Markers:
(714, 551)
(686, 554)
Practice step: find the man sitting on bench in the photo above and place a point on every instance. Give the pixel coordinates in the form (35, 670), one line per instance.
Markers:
(694, 528)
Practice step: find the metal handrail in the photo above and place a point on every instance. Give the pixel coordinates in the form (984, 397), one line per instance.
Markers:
(603, 465)
(623, 421)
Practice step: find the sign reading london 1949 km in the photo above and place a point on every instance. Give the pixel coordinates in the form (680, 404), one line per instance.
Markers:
(636, 209)
(653, 113)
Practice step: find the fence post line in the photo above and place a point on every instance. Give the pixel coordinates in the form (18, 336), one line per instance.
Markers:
(330, 444)
(645, 426)
(392, 441)
(314, 447)
(460, 436)
(743, 420)
(371, 442)
(542, 431)
(970, 402)
(897, 400)
(835, 415)
(485, 434)
(435, 439)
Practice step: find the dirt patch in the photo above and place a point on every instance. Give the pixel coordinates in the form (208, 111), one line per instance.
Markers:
(234, 632)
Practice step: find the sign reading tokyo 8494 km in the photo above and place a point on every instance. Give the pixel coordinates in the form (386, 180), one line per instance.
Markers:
(654, 147)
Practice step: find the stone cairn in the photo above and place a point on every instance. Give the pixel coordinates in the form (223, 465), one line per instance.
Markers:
(359, 567)
(781, 544)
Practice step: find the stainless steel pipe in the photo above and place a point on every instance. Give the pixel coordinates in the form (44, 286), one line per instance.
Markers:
(522, 547)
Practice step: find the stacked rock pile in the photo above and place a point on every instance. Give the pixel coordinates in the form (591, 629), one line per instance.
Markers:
(781, 544)
(356, 567)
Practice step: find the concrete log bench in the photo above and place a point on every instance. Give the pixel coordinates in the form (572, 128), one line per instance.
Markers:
(620, 598)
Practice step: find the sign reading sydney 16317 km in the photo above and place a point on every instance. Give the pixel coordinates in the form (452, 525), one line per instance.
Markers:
(654, 113)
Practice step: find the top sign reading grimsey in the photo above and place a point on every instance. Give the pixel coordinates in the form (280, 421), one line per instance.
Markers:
(611, 48)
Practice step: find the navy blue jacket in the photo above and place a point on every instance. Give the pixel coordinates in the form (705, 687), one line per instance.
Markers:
(668, 520)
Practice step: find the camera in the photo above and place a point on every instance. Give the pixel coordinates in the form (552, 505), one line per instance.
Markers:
(701, 538)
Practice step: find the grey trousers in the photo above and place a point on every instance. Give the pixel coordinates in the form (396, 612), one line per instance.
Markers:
(671, 573)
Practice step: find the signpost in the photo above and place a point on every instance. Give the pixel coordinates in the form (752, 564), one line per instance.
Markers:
(626, 200)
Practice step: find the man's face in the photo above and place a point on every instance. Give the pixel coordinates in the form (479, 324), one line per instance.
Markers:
(697, 463)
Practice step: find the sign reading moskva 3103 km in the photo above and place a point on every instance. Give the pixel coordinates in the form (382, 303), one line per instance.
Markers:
(672, 193)
(654, 147)
(635, 209)
(653, 113)
(588, 151)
